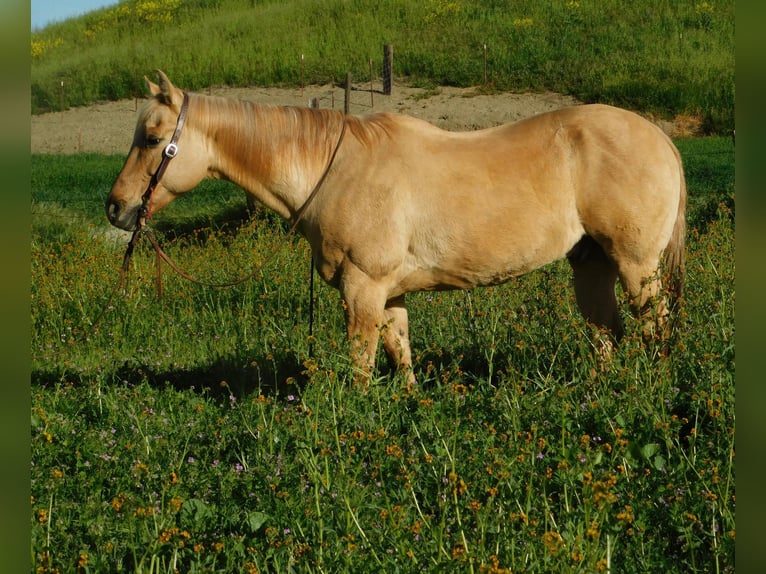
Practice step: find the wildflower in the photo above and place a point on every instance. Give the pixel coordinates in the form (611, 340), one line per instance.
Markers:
(82, 560)
(553, 541)
(117, 502)
(494, 567)
(592, 531)
(626, 515)
(175, 503)
(394, 450)
(459, 389)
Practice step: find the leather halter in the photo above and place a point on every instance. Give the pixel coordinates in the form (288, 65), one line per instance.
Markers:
(170, 151)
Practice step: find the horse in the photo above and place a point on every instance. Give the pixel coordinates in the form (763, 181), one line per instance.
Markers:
(391, 204)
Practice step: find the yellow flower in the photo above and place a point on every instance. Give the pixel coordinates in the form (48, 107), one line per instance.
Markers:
(553, 541)
(175, 503)
(117, 502)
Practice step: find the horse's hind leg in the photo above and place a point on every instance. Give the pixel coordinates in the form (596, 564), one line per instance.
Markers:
(396, 338)
(647, 303)
(595, 275)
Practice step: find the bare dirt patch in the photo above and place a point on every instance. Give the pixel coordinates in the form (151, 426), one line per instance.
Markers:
(107, 127)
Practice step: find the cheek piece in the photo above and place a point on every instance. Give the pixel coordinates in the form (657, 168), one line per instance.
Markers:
(170, 151)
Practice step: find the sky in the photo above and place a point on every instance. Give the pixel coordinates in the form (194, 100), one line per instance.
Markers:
(46, 11)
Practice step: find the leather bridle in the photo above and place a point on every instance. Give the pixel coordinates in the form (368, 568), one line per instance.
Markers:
(170, 151)
(144, 214)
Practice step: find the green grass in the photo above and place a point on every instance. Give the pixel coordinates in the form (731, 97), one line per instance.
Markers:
(197, 433)
(667, 58)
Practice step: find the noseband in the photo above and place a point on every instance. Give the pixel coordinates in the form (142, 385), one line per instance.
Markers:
(170, 151)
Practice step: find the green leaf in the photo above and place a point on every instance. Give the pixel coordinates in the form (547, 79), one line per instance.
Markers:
(194, 512)
(649, 450)
(256, 519)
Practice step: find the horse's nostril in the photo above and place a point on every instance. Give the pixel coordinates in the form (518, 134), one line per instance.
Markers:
(111, 211)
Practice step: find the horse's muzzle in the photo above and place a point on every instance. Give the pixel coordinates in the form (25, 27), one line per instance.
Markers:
(119, 217)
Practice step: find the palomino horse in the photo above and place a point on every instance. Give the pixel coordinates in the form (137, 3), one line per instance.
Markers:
(391, 204)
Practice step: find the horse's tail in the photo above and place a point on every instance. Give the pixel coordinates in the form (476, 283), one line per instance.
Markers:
(675, 250)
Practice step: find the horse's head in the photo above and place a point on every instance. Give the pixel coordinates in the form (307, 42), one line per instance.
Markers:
(156, 126)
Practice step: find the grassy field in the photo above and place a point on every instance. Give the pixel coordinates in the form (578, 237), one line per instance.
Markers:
(196, 433)
(667, 58)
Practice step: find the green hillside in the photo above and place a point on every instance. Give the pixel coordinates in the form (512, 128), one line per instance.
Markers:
(663, 57)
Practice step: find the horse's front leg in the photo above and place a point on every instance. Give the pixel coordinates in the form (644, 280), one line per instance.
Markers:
(364, 305)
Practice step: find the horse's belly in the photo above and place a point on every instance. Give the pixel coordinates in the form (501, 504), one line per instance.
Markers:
(488, 262)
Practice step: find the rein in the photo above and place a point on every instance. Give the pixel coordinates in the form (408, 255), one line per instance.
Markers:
(144, 214)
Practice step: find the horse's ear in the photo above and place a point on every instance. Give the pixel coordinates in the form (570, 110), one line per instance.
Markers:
(166, 92)
(153, 88)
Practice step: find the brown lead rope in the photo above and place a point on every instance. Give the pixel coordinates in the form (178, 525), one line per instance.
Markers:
(168, 154)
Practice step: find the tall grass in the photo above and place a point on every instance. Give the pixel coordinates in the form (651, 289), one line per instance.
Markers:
(667, 58)
(196, 433)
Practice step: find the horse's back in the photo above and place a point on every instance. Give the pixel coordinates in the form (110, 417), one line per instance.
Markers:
(471, 208)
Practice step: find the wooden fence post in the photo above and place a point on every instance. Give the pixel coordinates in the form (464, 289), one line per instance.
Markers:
(388, 68)
(347, 102)
(372, 88)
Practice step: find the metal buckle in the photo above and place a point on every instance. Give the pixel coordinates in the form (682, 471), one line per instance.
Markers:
(171, 150)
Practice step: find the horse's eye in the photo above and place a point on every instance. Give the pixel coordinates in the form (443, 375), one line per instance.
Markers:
(153, 141)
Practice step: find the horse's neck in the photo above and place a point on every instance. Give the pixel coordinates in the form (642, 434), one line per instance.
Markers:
(276, 154)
